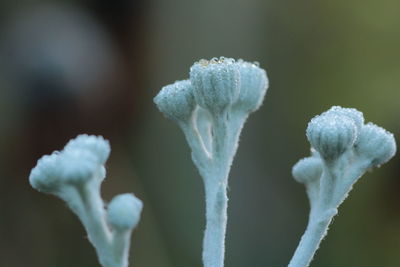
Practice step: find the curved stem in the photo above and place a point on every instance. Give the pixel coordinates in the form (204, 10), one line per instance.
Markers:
(310, 241)
(351, 176)
(112, 248)
(321, 214)
(96, 226)
(200, 155)
(201, 121)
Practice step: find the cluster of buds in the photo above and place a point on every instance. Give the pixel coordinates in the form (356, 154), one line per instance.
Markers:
(343, 148)
(75, 175)
(217, 85)
(211, 108)
(216, 100)
(342, 145)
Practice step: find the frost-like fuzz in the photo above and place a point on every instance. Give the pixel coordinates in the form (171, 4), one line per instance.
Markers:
(211, 108)
(75, 175)
(344, 148)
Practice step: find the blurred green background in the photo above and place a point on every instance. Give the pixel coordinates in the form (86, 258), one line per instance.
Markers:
(93, 66)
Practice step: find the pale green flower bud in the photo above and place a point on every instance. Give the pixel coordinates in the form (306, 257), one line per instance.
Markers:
(77, 166)
(215, 83)
(79, 161)
(75, 176)
(124, 212)
(176, 101)
(45, 176)
(351, 113)
(331, 135)
(97, 145)
(307, 170)
(376, 144)
(253, 86)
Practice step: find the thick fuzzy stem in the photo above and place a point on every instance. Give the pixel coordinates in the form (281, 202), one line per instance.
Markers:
(112, 247)
(96, 226)
(121, 244)
(321, 215)
(216, 195)
(216, 220)
(310, 241)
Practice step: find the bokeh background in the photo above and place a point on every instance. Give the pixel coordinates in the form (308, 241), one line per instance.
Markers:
(93, 66)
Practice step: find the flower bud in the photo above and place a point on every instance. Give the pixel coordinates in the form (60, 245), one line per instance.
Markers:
(351, 113)
(44, 176)
(97, 145)
(79, 161)
(215, 83)
(176, 100)
(77, 166)
(376, 144)
(124, 212)
(331, 135)
(253, 86)
(307, 170)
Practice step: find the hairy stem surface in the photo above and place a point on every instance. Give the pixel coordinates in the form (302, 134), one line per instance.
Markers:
(310, 241)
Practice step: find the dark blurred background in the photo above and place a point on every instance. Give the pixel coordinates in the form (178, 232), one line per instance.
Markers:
(93, 66)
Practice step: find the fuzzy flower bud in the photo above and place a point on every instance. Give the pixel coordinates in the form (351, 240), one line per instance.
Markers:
(78, 162)
(253, 86)
(216, 83)
(97, 145)
(176, 100)
(44, 177)
(124, 212)
(331, 135)
(376, 144)
(77, 166)
(307, 170)
(351, 113)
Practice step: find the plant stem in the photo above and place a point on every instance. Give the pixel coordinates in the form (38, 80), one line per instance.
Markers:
(216, 195)
(121, 244)
(213, 150)
(321, 215)
(96, 226)
(309, 243)
(216, 220)
(112, 248)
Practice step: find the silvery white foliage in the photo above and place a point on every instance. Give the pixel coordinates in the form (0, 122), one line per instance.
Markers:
(343, 149)
(75, 175)
(218, 98)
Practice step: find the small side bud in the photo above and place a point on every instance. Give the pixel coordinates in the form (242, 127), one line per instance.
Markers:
(376, 144)
(44, 176)
(96, 145)
(351, 113)
(124, 212)
(176, 100)
(331, 135)
(253, 86)
(307, 170)
(215, 83)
